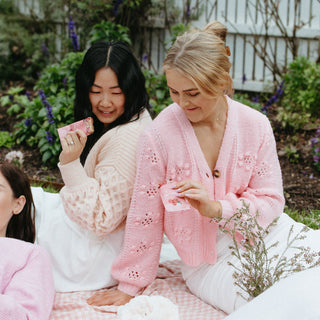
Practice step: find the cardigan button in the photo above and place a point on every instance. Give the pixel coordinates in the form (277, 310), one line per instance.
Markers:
(216, 173)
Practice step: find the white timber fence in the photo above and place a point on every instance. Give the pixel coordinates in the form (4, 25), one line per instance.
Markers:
(264, 36)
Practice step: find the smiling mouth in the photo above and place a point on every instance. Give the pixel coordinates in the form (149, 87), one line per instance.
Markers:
(191, 109)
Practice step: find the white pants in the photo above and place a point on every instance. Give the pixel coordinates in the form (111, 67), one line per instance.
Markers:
(80, 260)
(293, 298)
(214, 284)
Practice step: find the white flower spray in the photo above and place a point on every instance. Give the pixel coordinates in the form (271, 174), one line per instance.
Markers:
(15, 157)
(259, 269)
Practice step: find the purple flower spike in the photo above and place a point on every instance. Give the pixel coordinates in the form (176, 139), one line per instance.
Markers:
(28, 122)
(244, 78)
(116, 7)
(45, 50)
(144, 58)
(188, 10)
(274, 98)
(28, 94)
(72, 34)
(49, 137)
(45, 102)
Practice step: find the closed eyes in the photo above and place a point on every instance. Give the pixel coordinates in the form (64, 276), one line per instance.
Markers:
(187, 93)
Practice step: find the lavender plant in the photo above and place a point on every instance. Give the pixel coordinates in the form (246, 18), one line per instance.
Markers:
(276, 97)
(315, 145)
(259, 269)
(72, 35)
(49, 109)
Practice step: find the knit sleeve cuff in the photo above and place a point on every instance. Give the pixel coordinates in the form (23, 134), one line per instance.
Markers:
(129, 289)
(73, 173)
(227, 210)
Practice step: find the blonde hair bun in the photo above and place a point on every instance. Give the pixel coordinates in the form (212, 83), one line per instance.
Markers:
(216, 28)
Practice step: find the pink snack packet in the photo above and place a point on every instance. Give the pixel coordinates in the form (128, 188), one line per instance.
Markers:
(86, 125)
(171, 200)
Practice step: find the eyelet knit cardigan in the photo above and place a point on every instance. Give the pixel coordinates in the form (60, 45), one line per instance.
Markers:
(168, 150)
(97, 195)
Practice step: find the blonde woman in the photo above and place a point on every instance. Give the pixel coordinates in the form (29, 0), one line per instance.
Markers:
(215, 153)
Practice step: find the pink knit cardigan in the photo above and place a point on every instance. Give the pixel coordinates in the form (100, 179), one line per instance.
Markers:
(26, 281)
(248, 169)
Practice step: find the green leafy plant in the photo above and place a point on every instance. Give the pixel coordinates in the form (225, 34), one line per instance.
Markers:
(50, 109)
(245, 99)
(25, 46)
(107, 30)
(300, 103)
(175, 31)
(16, 99)
(157, 89)
(6, 139)
(292, 153)
(258, 269)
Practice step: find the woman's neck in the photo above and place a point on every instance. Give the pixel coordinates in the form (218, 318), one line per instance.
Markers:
(217, 118)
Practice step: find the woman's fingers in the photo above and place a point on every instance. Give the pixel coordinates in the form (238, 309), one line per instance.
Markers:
(110, 297)
(191, 189)
(72, 146)
(187, 185)
(73, 139)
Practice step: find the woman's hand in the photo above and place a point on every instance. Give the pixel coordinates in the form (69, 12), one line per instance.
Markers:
(110, 297)
(197, 196)
(72, 146)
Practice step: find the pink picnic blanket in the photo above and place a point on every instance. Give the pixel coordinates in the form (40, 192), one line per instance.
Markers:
(169, 283)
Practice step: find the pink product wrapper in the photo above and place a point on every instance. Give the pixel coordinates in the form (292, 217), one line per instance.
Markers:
(86, 125)
(171, 200)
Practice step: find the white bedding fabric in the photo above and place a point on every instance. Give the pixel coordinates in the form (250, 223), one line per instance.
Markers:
(80, 260)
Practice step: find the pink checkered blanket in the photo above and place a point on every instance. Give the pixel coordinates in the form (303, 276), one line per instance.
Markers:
(169, 283)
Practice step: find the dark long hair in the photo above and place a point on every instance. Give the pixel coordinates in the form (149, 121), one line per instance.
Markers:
(119, 57)
(21, 226)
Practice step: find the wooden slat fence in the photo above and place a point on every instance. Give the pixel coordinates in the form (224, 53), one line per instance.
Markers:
(251, 37)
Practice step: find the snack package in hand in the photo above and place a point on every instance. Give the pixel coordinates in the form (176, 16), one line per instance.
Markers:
(86, 125)
(171, 200)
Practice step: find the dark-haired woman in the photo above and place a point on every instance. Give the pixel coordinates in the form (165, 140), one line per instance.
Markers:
(26, 282)
(82, 227)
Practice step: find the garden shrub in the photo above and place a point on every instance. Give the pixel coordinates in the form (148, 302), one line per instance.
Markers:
(301, 99)
(6, 139)
(49, 110)
(245, 99)
(26, 45)
(106, 30)
(158, 91)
